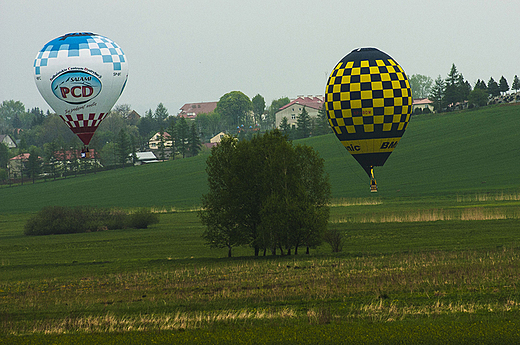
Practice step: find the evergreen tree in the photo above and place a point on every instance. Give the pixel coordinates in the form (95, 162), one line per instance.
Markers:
(194, 142)
(516, 84)
(33, 165)
(493, 88)
(182, 135)
(132, 147)
(123, 147)
(503, 86)
(285, 126)
(4, 156)
(162, 144)
(160, 115)
(322, 125)
(304, 124)
(437, 94)
(481, 85)
(172, 130)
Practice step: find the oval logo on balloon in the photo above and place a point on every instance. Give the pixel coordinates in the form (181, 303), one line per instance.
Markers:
(76, 87)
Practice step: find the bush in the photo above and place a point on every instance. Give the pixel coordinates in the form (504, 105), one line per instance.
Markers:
(335, 238)
(54, 220)
(142, 218)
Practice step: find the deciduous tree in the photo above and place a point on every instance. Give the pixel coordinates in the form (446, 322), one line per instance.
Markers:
(266, 193)
(258, 107)
(421, 85)
(219, 206)
(234, 107)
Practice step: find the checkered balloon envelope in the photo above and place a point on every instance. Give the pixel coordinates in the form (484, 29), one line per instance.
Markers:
(81, 76)
(368, 101)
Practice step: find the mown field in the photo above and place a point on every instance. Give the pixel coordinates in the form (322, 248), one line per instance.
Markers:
(433, 258)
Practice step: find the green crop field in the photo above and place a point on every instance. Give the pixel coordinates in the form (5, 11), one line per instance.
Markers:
(433, 258)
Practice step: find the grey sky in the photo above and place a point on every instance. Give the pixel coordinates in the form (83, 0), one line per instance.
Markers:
(197, 50)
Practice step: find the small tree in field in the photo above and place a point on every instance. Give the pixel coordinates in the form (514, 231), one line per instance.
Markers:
(219, 206)
(335, 239)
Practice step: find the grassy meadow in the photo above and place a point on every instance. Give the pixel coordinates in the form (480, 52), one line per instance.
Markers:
(433, 258)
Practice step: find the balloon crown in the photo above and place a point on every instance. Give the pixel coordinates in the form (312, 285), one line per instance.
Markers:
(76, 34)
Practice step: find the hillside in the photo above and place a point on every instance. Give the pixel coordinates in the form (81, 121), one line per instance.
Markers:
(462, 152)
(449, 153)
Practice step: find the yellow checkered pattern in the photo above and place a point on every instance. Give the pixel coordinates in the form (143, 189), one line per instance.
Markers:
(368, 96)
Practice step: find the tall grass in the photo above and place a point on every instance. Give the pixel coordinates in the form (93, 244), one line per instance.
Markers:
(379, 288)
(433, 215)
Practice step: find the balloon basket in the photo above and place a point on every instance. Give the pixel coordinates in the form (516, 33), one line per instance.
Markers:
(373, 186)
(373, 183)
(85, 153)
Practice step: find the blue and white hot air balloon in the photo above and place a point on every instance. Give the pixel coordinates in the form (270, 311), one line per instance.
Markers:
(81, 76)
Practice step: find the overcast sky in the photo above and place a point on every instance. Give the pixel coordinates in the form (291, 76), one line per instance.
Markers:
(198, 50)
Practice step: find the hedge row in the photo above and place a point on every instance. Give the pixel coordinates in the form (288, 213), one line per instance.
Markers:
(53, 220)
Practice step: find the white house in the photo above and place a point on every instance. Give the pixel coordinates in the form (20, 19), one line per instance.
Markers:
(294, 108)
(7, 140)
(422, 103)
(154, 142)
(216, 139)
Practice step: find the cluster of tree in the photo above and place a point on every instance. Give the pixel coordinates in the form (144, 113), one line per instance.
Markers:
(55, 150)
(265, 193)
(307, 126)
(446, 94)
(121, 135)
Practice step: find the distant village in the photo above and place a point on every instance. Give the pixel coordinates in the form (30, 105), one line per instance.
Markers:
(158, 146)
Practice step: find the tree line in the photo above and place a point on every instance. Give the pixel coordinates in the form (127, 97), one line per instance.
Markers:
(121, 135)
(266, 193)
(448, 93)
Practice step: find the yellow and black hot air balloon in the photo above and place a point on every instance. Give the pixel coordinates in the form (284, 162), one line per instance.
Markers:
(368, 101)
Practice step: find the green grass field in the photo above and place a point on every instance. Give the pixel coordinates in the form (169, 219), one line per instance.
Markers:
(433, 258)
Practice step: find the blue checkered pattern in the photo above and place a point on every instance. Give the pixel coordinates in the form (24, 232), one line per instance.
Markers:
(106, 49)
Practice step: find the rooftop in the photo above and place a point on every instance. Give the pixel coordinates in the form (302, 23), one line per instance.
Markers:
(315, 102)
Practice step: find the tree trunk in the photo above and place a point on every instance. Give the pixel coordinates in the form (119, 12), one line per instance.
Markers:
(229, 252)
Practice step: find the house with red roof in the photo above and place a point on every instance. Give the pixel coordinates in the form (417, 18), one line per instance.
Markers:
(313, 104)
(154, 142)
(16, 164)
(191, 110)
(422, 103)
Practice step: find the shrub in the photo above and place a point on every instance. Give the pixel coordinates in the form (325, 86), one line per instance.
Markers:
(335, 238)
(53, 220)
(142, 218)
